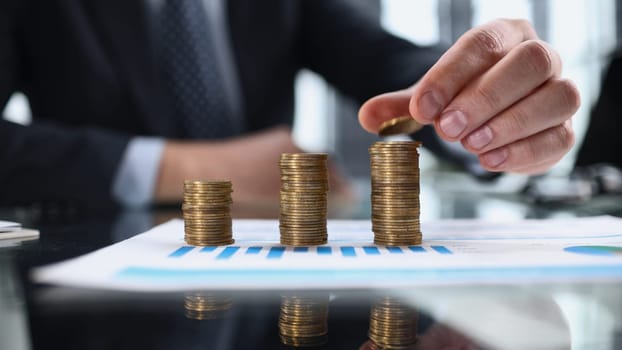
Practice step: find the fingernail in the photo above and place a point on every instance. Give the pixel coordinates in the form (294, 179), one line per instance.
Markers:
(429, 106)
(480, 138)
(496, 157)
(453, 123)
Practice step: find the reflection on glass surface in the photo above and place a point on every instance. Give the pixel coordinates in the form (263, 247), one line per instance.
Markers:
(207, 305)
(392, 325)
(13, 324)
(303, 320)
(559, 315)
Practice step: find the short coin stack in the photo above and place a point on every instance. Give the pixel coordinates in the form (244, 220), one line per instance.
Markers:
(395, 193)
(392, 325)
(206, 306)
(303, 321)
(304, 187)
(207, 212)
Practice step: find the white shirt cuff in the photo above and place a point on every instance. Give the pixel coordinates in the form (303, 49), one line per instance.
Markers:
(136, 177)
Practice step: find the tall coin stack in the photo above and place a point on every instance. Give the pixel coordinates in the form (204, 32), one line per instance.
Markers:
(303, 321)
(304, 187)
(395, 193)
(392, 325)
(207, 212)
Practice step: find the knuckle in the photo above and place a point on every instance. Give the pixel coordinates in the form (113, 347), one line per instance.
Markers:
(531, 151)
(523, 24)
(562, 137)
(568, 136)
(539, 57)
(489, 42)
(570, 94)
(516, 122)
(490, 97)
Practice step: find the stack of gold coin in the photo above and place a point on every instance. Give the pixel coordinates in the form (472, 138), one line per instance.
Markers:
(392, 325)
(206, 306)
(303, 321)
(304, 187)
(207, 212)
(395, 193)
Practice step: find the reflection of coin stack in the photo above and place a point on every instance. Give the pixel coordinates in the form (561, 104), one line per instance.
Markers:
(207, 212)
(395, 193)
(392, 325)
(303, 321)
(206, 306)
(304, 187)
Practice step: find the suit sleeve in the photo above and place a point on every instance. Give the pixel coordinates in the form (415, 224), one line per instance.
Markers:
(347, 45)
(47, 162)
(601, 143)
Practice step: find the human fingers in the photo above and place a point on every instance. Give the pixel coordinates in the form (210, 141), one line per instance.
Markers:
(531, 155)
(550, 105)
(513, 78)
(367, 345)
(473, 54)
(384, 107)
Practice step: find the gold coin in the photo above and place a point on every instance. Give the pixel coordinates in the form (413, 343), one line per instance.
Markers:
(395, 144)
(395, 193)
(303, 194)
(206, 212)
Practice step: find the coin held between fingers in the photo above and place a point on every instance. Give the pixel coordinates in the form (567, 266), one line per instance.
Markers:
(399, 126)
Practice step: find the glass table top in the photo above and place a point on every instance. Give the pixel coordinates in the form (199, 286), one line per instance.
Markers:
(485, 316)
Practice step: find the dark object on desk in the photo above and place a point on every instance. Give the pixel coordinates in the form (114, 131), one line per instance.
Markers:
(583, 184)
(549, 190)
(605, 178)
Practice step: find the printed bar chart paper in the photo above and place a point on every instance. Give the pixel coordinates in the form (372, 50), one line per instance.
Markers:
(453, 252)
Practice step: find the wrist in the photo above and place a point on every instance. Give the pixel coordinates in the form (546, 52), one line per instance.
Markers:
(171, 172)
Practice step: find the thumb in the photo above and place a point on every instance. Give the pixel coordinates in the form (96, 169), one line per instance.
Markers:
(384, 107)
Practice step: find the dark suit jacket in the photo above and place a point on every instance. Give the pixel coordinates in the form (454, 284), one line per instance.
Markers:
(86, 68)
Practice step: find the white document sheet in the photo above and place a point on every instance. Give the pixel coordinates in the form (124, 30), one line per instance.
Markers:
(453, 252)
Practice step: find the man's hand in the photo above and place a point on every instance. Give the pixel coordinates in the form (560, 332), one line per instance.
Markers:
(498, 91)
(250, 162)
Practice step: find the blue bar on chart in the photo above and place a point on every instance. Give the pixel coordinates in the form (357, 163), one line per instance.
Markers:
(227, 253)
(324, 250)
(180, 252)
(441, 249)
(253, 250)
(276, 252)
(348, 252)
(416, 249)
(395, 250)
(208, 249)
(301, 249)
(371, 250)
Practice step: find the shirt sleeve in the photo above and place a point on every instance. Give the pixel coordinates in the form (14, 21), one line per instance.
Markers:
(136, 176)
